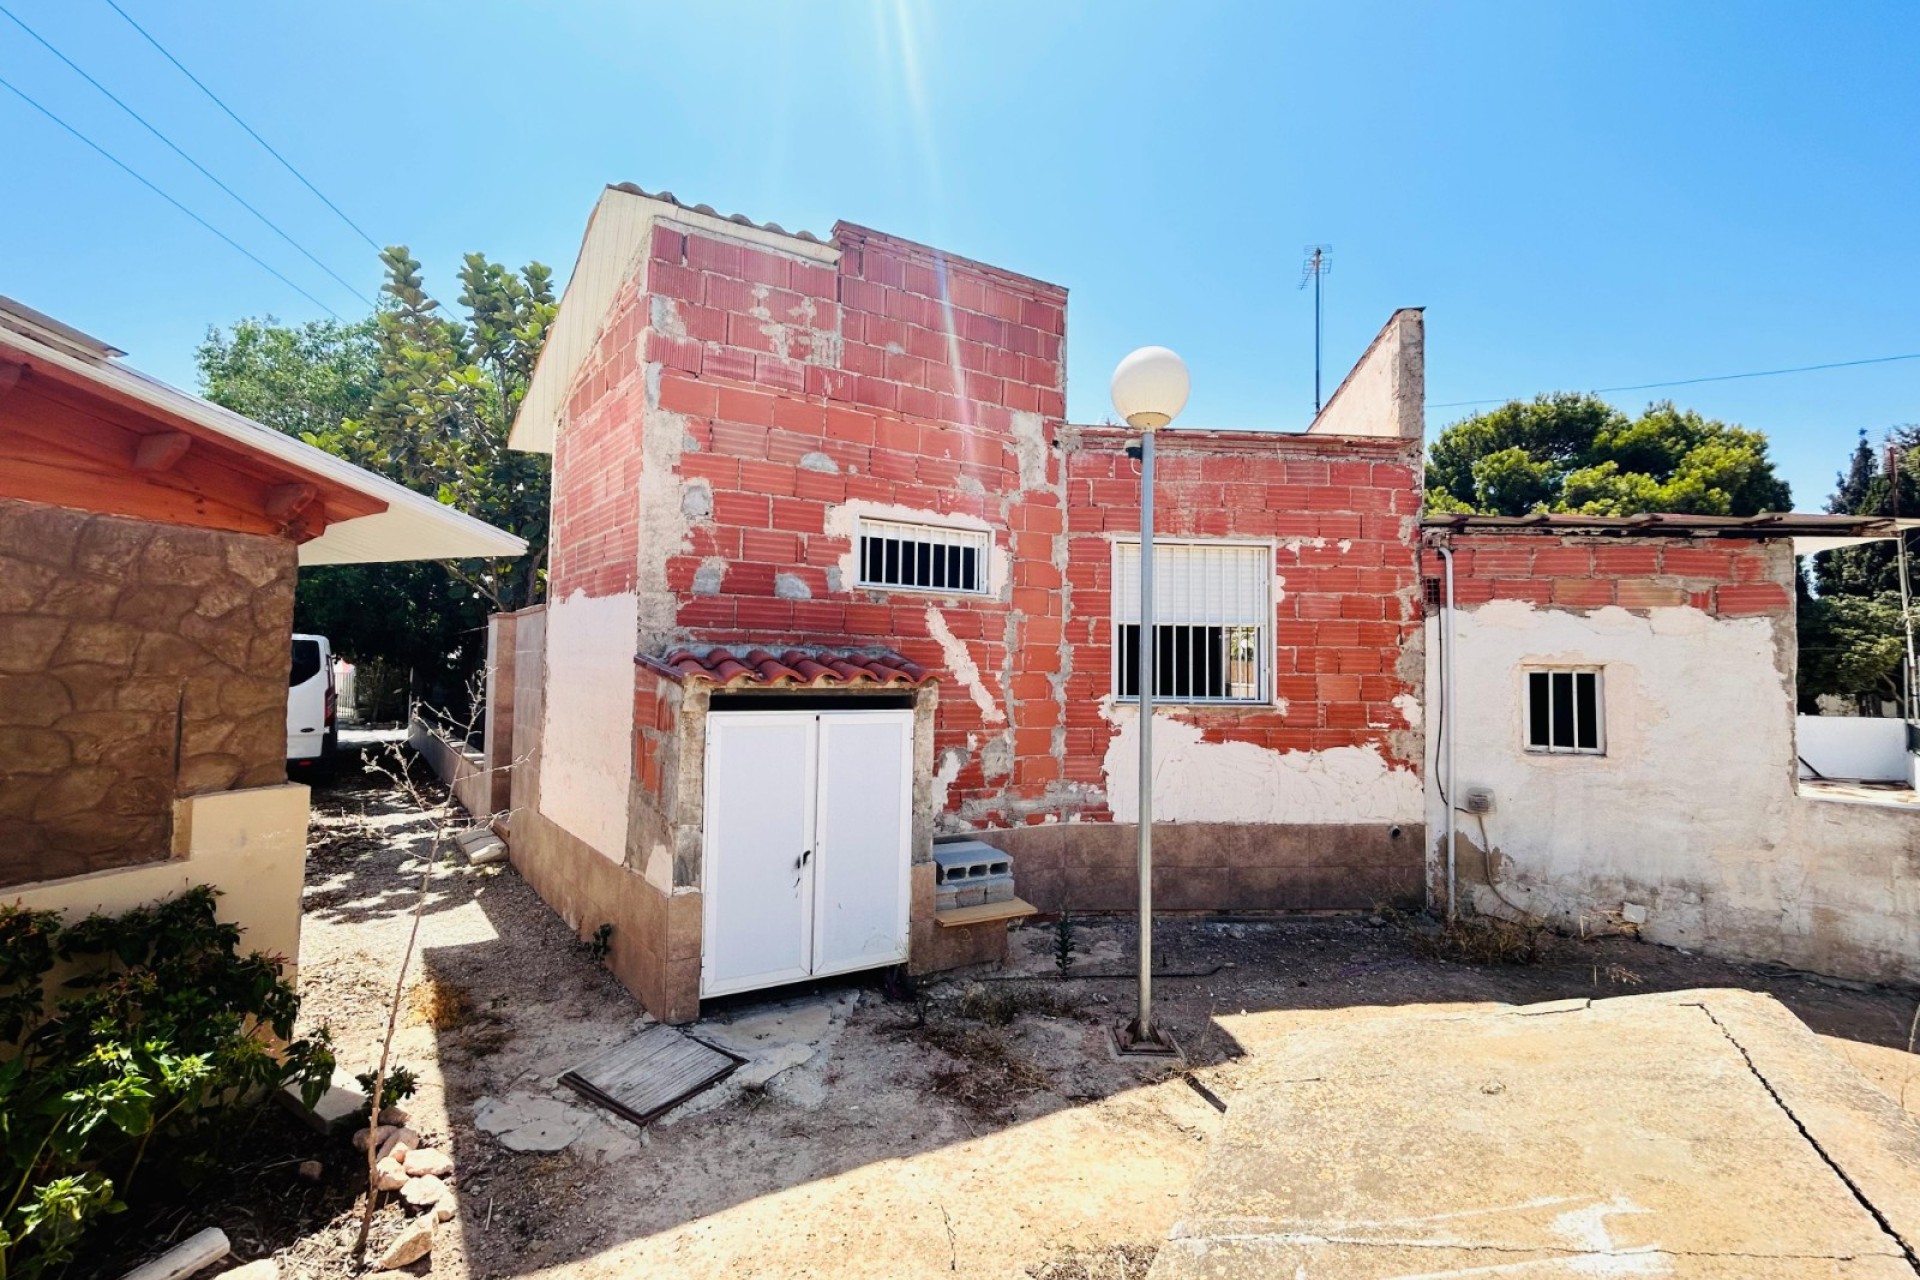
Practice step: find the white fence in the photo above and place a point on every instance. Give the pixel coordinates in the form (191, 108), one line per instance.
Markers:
(1863, 748)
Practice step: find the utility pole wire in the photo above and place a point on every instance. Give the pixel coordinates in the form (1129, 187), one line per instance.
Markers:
(234, 116)
(1689, 382)
(143, 181)
(177, 150)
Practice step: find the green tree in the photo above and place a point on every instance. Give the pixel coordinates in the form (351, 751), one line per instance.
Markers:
(443, 403)
(427, 401)
(302, 381)
(1852, 634)
(1573, 452)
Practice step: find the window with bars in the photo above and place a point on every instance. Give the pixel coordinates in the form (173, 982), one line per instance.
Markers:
(1213, 619)
(1565, 713)
(899, 556)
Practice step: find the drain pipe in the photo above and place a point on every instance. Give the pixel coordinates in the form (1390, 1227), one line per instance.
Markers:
(1448, 714)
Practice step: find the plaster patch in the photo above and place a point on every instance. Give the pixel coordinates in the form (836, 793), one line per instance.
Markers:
(996, 758)
(791, 586)
(964, 668)
(1409, 708)
(1200, 781)
(710, 576)
(659, 870)
(587, 745)
(952, 760)
(664, 526)
(817, 461)
(1030, 447)
(696, 500)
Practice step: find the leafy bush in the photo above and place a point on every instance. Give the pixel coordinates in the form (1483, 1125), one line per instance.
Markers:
(124, 1042)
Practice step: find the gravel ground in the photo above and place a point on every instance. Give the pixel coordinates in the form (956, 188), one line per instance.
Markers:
(980, 1127)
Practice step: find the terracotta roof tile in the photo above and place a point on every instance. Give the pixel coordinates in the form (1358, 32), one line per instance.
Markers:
(734, 668)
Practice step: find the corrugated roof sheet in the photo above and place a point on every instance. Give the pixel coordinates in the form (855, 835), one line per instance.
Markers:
(667, 197)
(734, 667)
(1784, 524)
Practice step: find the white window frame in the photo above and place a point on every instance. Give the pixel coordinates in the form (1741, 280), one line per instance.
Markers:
(1599, 747)
(1264, 643)
(980, 541)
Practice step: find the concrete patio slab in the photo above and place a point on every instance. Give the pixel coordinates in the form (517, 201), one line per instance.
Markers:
(1693, 1134)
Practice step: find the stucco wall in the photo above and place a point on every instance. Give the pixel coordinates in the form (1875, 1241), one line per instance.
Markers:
(1693, 813)
(138, 662)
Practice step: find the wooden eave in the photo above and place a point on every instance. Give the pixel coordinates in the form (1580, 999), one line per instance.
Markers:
(73, 442)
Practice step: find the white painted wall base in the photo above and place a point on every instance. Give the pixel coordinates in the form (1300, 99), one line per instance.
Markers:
(251, 845)
(586, 744)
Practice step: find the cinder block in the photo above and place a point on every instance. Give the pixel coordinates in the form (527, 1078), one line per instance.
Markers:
(964, 860)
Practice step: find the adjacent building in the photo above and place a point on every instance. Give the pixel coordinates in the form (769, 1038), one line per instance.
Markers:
(149, 542)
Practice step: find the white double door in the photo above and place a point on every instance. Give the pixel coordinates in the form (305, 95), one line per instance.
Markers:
(809, 816)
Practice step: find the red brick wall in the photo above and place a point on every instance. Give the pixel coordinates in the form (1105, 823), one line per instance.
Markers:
(1341, 512)
(904, 378)
(1721, 576)
(597, 462)
(895, 380)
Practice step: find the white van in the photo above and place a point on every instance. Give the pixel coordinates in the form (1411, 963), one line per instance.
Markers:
(311, 704)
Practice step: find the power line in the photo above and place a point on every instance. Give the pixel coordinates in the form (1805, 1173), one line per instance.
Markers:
(232, 115)
(1688, 382)
(176, 149)
(130, 172)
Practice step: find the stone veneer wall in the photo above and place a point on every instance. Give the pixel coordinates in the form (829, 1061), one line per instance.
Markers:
(138, 662)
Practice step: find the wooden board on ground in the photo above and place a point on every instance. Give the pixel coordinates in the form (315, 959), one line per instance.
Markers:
(985, 913)
(651, 1073)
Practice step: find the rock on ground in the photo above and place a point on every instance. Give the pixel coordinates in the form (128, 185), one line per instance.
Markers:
(428, 1162)
(412, 1244)
(423, 1193)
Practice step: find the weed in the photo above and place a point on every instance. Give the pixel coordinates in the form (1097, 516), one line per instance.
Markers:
(442, 1005)
(600, 944)
(1472, 939)
(1064, 943)
(988, 1075)
(1000, 1003)
(1106, 1262)
(1617, 974)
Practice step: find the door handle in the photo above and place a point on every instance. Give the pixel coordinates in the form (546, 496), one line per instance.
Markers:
(801, 861)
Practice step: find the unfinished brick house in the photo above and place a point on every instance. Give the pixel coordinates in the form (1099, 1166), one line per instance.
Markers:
(832, 579)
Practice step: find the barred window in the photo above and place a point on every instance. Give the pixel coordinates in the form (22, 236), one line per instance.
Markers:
(1213, 621)
(1565, 713)
(895, 555)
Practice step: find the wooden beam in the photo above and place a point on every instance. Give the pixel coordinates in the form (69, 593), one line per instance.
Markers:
(159, 451)
(217, 460)
(37, 472)
(284, 501)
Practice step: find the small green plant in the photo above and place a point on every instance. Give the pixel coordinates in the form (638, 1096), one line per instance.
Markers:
(1064, 943)
(399, 1085)
(601, 943)
(124, 1041)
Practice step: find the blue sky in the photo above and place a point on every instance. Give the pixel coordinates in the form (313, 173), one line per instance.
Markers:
(1581, 195)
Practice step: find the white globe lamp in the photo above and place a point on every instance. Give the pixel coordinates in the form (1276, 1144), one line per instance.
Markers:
(1150, 388)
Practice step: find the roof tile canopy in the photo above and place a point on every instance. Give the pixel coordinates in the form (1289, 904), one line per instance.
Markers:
(734, 668)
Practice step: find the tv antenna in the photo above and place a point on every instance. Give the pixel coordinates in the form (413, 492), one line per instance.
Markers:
(1319, 262)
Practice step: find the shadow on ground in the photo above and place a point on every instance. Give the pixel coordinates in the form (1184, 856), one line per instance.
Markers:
(978, 1127)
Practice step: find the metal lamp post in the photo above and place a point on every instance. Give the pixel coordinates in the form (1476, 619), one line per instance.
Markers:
(1149, 390)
